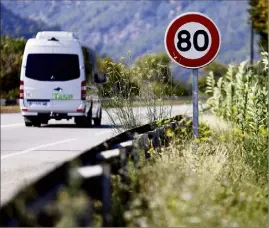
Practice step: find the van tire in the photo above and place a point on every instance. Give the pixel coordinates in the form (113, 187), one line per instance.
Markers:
(28, 122)
(89, 119)
(79, 121)
(97, 121)
(83, 121)
(37, 123)
(45, 122)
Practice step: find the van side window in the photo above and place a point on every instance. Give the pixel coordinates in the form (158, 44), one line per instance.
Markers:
(52, 67)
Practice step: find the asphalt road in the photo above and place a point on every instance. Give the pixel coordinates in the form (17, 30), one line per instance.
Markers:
(28, 152)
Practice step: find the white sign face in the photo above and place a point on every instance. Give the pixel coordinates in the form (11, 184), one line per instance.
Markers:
(202, 40)
(192, 40)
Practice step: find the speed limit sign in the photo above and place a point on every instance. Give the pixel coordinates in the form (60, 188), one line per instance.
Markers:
(192, 40)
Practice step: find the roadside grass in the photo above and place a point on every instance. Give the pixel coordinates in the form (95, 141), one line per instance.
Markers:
(223, 184)
(10, 109)
(109, 104)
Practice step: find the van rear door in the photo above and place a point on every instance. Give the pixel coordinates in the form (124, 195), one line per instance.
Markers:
(56, 78)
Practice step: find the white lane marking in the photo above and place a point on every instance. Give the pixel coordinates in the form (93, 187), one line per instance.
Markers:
(12, 125)
(35, 148)
(103, 132)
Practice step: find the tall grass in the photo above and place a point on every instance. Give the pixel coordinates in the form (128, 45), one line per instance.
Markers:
(126, 83)
(215, 187)
(224, 184)
(241, 97)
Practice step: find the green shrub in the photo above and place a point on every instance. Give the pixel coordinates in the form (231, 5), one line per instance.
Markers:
(149, 79)
(241, 96)
(216, 187)
(10, 60)
(13, 94)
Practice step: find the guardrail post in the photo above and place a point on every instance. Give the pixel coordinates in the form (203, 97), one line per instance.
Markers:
(156, 139)
(106, 194)
(143, 142)
(124, 168)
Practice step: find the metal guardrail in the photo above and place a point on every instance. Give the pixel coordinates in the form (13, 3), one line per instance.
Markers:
(93, 168)
(171, 98)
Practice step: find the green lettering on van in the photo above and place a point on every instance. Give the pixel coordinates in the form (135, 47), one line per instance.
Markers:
(58, 96)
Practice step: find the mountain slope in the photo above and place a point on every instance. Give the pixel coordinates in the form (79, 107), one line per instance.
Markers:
(16, 26)
(114, 27)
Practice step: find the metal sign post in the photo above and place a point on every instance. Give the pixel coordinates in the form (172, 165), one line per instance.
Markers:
(195, 112)
(192, 40)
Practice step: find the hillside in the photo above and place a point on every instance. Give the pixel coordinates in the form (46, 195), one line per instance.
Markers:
(16, 26)
(114, 27)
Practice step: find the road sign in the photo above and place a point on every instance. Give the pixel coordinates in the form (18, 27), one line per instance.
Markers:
(192, 40)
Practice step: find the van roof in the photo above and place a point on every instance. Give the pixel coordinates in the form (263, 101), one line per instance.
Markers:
(54, 38)
(59, 35)
(42, 43)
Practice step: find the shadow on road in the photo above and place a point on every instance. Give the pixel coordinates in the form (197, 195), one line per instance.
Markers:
(103, 126)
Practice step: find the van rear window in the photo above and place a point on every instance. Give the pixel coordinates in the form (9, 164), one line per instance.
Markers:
(52, 67)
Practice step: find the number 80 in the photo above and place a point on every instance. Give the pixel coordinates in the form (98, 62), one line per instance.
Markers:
(186, 40)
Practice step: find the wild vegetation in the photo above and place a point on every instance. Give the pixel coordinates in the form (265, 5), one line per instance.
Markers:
(10, 61)
(224, 182)
(241, 95)
(148, 79)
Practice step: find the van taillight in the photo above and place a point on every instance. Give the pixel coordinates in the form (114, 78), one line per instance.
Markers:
(83, 90)
(21, 90)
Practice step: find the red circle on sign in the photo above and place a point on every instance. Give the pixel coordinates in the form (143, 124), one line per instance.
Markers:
(179, 22)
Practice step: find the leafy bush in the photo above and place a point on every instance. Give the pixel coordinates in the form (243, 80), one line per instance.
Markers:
(241, 95)
(120, 81)
(10, 60)
(13, 94)
(149, 79)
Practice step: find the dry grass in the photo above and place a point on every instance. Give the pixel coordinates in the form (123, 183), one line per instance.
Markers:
(215, 123)
(10, 109)
(215, 187)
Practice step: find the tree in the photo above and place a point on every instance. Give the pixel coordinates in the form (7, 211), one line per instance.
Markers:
(120, 82)
(259, 17)
(10, 60)
(154, 67)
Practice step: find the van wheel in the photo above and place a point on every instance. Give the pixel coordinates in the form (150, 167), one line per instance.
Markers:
(83, 121)
(79, 121)
(89, 119)
(28, 122)
(37, 123)
(97, 121)
(45, 122)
